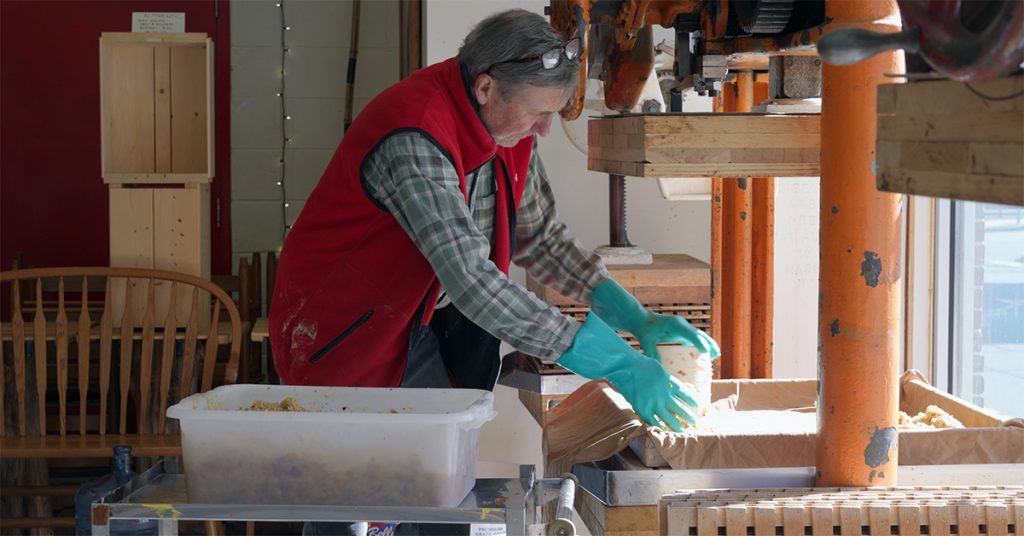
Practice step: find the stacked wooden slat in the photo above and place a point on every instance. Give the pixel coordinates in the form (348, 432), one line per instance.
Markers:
(697, 314)
(671, 278)
(673, 284)
(706, 145)
(953, 139)
(848, 511)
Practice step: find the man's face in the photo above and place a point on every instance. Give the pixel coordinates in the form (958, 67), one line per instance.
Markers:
(528, 112)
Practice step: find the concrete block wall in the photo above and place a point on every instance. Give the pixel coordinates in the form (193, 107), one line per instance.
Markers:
(315, 66)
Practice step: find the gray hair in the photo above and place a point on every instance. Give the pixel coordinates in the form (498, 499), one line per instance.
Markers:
(515, 34)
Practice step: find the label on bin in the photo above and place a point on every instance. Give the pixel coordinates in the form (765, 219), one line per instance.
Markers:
(381, 529)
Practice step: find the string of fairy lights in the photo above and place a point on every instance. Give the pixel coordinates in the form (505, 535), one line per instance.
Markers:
(285, 118)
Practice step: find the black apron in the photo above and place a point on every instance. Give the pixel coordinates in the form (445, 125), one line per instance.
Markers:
(451, 352)
(454, 348)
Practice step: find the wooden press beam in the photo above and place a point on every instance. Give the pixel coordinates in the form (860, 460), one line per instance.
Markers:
(959, 140)
(705, 145)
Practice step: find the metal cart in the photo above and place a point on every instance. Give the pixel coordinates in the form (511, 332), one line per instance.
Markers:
(159, 494)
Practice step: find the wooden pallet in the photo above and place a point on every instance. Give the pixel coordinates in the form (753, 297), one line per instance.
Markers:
(906, 511)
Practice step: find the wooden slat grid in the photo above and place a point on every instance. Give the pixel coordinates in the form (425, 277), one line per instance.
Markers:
(907, 511)
(697, 314)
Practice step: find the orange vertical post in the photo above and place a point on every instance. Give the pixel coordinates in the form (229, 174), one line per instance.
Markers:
(762, 282)
(860, 271)
(717, 284)
(737, 235)
(742, 258)
(716, 268)
(762, 292)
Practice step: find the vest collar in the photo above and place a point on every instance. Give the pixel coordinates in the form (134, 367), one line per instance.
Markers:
(475, 141)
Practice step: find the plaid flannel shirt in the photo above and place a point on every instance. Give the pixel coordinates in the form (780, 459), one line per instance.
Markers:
(413, 179)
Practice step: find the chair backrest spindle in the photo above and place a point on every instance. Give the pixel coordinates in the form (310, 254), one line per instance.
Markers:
(39, 348)
(18, 338)
(127, 342)
(106, 349)
(167, 358)
(191, 336)
(83, 339)
(146, 358)
(62, 358)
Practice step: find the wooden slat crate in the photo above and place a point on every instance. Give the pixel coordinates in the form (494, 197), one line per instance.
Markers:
(990, 510)
(156, 139)
(706, 145)
(942, 138)
(162, 229)
(156, 108)
(698, 314)
(674, 284)
(671, 278)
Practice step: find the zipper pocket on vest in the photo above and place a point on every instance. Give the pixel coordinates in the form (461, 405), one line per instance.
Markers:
(344, 334)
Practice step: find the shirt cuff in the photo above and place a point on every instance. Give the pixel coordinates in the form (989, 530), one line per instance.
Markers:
(563, 341)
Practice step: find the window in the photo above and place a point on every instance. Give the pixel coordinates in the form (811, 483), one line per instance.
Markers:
(979, 290)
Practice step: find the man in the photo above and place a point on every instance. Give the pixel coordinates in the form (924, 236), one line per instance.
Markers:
(395, 273)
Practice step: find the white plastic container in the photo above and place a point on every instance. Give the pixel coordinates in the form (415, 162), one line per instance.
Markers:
(353, 446)
(691, 367)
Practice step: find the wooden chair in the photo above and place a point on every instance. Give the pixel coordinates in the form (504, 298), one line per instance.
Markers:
(158, 337)
(259, 307)
(269, 294)
(246, 288)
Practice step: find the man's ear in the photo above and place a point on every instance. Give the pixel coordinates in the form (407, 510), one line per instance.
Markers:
(484, 88)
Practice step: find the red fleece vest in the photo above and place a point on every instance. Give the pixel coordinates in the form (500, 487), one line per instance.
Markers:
(350, 281)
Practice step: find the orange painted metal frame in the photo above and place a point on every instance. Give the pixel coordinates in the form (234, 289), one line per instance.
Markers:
(742, 238)
(717, 291)
(762, 283)
(762, 291)
(738, 234)
(725, 101)
(860, 273)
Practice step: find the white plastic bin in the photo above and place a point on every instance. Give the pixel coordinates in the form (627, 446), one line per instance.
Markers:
(354, 446)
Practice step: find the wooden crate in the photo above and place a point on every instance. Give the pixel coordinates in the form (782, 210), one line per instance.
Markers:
(671, 278)
(941, 138)
(156, 107)
(163, 229)
(706, 145)
(674, 284)
(156, 115)
(849, 511)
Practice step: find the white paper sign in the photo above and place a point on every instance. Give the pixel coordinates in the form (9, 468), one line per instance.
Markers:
(486, 530)
(158, 22)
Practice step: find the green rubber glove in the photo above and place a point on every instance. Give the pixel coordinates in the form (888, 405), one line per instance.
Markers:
(623, 312)
(598, 352)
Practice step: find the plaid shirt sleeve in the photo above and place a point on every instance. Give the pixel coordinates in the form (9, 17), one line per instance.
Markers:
(544, 246)
(413, 179)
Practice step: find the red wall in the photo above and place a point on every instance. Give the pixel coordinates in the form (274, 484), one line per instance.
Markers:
(53, 203)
